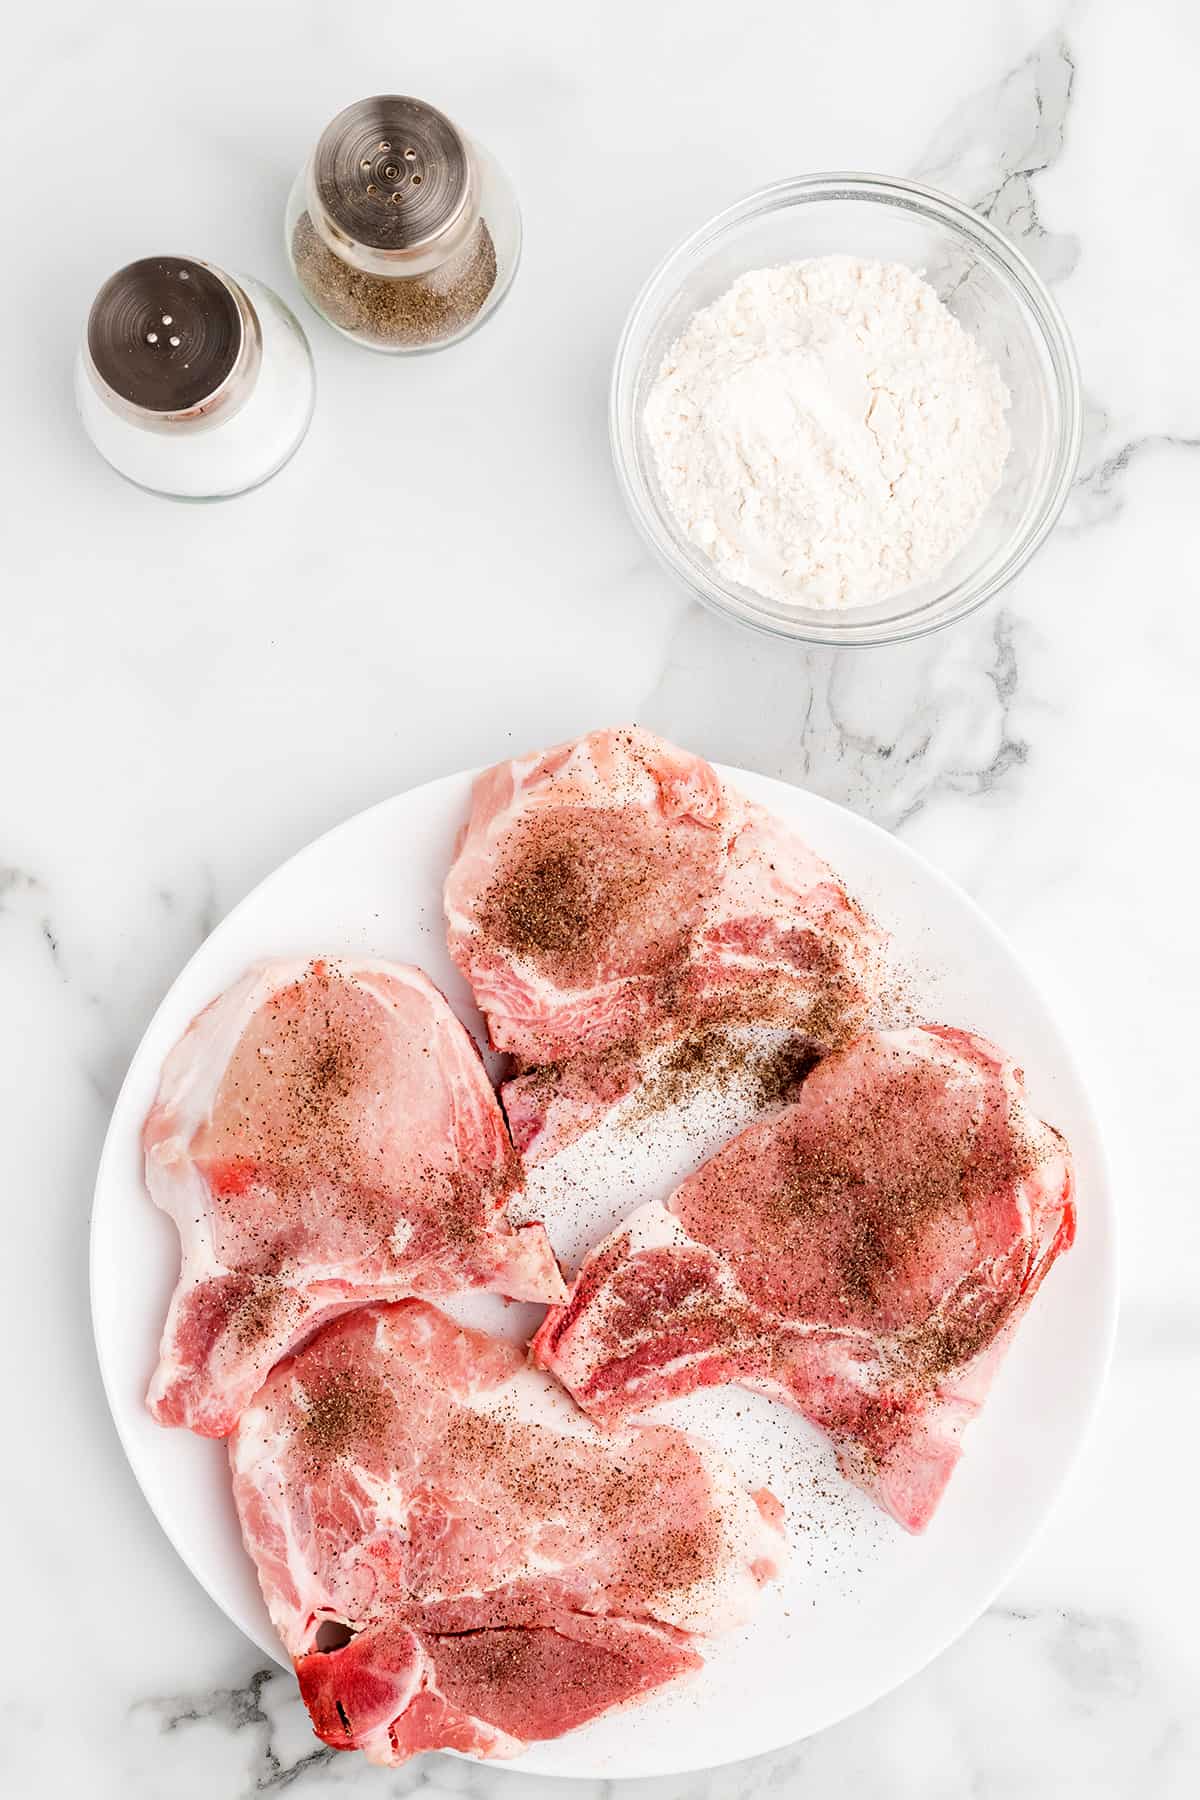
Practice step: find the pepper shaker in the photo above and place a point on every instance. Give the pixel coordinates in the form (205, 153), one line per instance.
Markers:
(192, 382)
(404, 233)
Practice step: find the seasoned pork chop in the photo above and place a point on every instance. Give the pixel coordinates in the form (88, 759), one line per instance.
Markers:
(611, 894)
(324, 1134)
(864, 1255)
(456, 1559)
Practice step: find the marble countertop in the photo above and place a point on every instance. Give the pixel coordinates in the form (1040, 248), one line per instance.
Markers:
(445, 575)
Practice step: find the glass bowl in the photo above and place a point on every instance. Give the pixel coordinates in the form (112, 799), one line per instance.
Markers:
(989, 287)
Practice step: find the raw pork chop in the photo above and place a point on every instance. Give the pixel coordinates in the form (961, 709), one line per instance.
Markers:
(324, 1134)
(612, 893)
(456, 1559)
(864, 1255)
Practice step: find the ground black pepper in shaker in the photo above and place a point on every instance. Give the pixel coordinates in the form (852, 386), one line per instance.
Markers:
(403, 233)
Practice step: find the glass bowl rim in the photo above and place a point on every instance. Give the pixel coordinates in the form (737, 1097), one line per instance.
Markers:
(961, 221)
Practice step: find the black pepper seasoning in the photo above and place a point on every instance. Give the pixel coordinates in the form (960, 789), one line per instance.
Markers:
(402, 232)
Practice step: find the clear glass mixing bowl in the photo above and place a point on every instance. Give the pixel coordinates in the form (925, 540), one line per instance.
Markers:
(989, 287)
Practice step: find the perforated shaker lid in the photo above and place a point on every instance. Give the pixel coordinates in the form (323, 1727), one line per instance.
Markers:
(393, 185)
(172, 339)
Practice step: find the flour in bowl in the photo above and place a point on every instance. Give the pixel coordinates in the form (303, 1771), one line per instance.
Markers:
(827, 433)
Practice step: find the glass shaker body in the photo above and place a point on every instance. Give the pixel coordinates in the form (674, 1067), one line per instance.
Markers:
(192, 382)
(404, 233)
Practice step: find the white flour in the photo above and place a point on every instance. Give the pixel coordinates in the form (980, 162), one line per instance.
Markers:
(826, 432)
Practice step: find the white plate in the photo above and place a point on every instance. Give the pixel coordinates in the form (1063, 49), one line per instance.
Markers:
(863, 1606)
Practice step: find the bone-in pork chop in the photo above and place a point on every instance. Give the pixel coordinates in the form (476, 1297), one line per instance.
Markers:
(324, 1134)
(613, 893)
(864, 1254)
(456, 1559)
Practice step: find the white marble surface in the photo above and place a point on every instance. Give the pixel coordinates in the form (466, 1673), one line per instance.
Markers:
(445, 574)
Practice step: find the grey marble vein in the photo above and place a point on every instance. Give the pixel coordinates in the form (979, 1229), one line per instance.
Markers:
(25, 894)
(242, 1709)
(1058, 1663)
(51, 942)
(1098, 491)
(885, 734)
(14, 881)
(990, 150)
(997, 141)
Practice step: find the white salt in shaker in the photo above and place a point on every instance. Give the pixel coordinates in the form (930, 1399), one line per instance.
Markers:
(191, 382)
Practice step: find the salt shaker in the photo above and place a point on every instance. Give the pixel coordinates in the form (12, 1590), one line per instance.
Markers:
(403, 232)
(192, 382)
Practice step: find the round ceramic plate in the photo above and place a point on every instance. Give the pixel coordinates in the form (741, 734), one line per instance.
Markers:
(863, 1605)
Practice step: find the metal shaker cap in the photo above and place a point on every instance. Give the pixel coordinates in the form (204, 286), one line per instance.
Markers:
(393, 186)
(171, 339)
